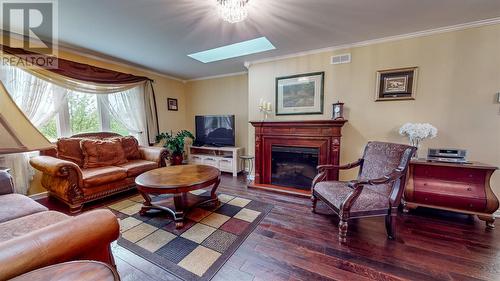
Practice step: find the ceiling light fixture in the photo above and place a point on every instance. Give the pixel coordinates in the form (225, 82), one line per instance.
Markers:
(232, 11)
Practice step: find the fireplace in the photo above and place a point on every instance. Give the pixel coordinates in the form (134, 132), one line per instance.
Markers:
(293, 166)
(287, 153)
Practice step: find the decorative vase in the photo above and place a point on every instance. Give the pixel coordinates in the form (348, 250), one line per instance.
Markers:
(416, 133)
(176, 159)
(416, 143)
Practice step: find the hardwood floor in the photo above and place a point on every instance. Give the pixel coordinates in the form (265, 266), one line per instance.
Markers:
(292, 243)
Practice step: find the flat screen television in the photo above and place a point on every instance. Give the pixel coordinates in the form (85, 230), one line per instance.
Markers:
(215, 130)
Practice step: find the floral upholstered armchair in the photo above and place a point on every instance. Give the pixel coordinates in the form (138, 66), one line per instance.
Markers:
(376, 192)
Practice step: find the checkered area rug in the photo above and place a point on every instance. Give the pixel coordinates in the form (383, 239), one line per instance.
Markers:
(198, 250)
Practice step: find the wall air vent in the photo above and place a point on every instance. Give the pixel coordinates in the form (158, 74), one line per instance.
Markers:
(340, 59)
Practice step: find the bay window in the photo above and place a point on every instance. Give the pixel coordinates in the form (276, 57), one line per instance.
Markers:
(61, 112)
(83, 113)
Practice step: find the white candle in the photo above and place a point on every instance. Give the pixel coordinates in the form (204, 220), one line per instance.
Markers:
(261, 102)
(269, 106)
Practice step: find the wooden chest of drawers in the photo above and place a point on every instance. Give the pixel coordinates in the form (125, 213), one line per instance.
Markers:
(463, 188)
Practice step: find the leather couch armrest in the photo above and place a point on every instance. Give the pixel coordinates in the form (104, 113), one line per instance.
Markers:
(85, 237)
(53, 166)
(6, 184)
(154, 154)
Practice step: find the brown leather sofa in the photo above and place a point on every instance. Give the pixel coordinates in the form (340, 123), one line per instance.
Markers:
(32, 237)
(87, 167)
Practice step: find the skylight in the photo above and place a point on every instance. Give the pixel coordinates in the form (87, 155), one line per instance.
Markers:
(244, 48)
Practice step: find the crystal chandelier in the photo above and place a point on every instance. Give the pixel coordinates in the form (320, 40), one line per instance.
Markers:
(232, 11)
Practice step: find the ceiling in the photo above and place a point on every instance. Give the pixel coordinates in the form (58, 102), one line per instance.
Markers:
(159, 34)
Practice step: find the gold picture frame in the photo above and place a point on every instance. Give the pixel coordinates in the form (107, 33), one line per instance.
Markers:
(396, 84)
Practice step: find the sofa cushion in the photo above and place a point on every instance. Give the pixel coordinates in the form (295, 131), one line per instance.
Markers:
(69, 149)
(102, 153)
(97, 176)
(130, 146)
(13, 206)
(137, 167)
(27, 224)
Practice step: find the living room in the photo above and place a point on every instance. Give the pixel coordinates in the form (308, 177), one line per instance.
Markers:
(211, 140)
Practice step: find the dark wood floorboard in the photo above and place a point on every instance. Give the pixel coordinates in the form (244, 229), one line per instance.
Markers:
(292, 243)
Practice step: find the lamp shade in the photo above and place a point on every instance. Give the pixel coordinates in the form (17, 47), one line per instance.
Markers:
(17, 133)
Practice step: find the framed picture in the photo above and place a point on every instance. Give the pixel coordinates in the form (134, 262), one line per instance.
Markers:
(300, 94)
(396, 84)
(172, 104)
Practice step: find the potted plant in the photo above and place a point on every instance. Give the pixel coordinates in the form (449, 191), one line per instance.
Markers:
(175, 144)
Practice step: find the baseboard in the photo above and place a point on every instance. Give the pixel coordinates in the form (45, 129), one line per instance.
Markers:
(39, 196)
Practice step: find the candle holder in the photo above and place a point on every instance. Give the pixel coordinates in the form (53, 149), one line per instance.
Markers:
(266, 109)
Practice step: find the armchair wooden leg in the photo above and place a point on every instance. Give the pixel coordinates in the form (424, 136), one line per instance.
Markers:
(314, 200)
(343, 231)
(390, 226)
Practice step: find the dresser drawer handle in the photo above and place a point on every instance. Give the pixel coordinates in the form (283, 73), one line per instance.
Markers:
(469, 189)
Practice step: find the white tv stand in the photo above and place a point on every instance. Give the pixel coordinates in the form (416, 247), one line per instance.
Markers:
(226, 159)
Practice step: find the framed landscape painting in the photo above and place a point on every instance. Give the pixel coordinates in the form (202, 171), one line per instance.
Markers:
(300, 94)
(396, 84)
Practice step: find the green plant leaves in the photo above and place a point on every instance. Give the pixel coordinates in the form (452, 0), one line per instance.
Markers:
(175, 143)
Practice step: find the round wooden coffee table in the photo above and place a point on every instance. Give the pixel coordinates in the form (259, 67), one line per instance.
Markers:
(178, 181)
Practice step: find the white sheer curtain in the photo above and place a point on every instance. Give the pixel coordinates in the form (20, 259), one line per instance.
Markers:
(40, 101)
(128, 108)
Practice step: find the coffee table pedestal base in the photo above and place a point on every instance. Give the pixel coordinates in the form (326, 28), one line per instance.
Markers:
(179, 206)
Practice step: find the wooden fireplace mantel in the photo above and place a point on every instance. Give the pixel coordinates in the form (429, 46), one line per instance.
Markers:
(322, 134)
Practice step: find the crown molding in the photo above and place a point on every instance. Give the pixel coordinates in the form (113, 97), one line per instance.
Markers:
(423, 33)
(218, 76)
(102, 58)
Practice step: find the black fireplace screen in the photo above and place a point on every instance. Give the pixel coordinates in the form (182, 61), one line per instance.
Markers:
(293, 166)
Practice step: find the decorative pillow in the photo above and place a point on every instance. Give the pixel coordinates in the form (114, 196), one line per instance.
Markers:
(69, 149)
(102, 153)
(130, 147)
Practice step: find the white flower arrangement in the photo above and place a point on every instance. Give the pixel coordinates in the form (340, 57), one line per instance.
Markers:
(416, 132)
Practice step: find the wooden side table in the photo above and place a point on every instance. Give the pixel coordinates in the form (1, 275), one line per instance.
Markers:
(463, 188)
(72, 271)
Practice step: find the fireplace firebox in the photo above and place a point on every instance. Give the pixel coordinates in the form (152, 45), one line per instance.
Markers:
(287, 153)
(293, 166)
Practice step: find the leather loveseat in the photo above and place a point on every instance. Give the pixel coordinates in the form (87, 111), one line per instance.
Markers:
(32, 237)
(87, 167)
